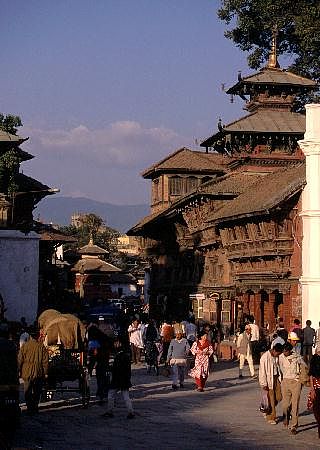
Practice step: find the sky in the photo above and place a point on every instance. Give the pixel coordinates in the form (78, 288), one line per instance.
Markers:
(106, 88)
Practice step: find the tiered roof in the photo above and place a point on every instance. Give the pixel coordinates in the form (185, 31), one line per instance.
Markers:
(190, 161)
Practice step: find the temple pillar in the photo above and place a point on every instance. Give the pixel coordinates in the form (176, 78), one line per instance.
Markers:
(246, 300)
(270, 314)
(257, 309)
(310, 213)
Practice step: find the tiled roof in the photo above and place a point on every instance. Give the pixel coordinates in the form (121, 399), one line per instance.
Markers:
(92, 249)
(266, 121)
(96, 264)
(189, 161)
(144, 221)
(7, 137)
(273, 76)
(263, 121)
(262, 196)
(26, 184)
(232, 184)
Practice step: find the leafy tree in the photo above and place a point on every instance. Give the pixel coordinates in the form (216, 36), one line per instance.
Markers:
(10, 123)
(92, 226)
(297, 22)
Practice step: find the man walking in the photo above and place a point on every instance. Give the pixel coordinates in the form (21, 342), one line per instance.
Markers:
(309, 341)
(177, 358)
(255, 336)
(269, 373)
(245, 350)
(290, 366)
(33, 369)
(120, 380)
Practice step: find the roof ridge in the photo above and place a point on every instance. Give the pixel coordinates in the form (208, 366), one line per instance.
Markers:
(176, 152)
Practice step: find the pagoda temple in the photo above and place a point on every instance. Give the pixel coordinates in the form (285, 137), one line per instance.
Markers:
(19, 243)
(230, 246)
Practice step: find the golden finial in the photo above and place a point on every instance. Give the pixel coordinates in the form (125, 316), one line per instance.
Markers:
(273, 61)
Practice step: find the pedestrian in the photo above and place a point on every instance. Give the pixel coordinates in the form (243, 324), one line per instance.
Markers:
(309, 341)
(151, 350)
(190, 330)
(33, 368)
(290, 366)
(202, 350)
(294, 341)
(177, 358)
(296, 328)
(255, 337)
(120, 379)
(135, 339)
(245, 351)
(269, 373)
(166, 335)
(281, 331)
(102, 366)
(318, 337)
(276, 339)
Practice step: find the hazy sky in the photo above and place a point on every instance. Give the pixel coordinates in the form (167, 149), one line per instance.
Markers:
(105, 88)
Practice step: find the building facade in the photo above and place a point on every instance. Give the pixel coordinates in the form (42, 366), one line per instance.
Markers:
(224, 234)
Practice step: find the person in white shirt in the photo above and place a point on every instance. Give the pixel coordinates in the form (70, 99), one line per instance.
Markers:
(255, 336)
(269, 373)
(135, 339)
(277, 340)
(244, 350)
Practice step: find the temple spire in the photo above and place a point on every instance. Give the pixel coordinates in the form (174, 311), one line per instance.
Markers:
(273, 61)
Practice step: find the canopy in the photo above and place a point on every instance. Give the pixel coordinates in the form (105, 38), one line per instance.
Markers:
(66, 329)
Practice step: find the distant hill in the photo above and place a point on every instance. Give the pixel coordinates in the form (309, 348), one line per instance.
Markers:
(58, 210)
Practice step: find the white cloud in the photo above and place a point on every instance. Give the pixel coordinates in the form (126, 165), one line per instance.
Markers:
(122, 144)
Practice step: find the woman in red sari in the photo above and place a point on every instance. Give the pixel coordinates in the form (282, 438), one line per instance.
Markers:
(202, 349)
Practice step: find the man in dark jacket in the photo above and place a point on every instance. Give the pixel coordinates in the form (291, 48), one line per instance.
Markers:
(121, 380)
(33, 368)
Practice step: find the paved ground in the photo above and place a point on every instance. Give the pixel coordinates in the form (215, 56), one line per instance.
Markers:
(225, 416)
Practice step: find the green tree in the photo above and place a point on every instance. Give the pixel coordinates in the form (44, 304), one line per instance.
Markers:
(10, 123)
(297, 22)
(91, 223)
(92, 226)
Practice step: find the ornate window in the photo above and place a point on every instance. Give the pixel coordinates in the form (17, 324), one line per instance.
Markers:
(176, 186)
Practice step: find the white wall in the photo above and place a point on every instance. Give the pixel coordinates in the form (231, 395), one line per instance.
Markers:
(310, 213)
(19, 274)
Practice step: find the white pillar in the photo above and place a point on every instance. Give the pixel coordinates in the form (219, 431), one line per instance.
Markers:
(310, 213)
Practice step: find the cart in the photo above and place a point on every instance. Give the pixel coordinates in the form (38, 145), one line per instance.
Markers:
(63, 335)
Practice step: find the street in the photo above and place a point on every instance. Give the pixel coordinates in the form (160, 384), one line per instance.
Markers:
(225, 416)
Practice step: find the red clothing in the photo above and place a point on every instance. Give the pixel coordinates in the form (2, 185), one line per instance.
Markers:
(167, 332)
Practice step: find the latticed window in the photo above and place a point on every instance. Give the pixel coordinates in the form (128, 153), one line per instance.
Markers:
(176, 186)
(191, 183)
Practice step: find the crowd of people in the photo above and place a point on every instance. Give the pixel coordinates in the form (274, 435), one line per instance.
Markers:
(288, 359)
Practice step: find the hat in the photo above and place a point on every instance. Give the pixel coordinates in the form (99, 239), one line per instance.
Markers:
(293, 336)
